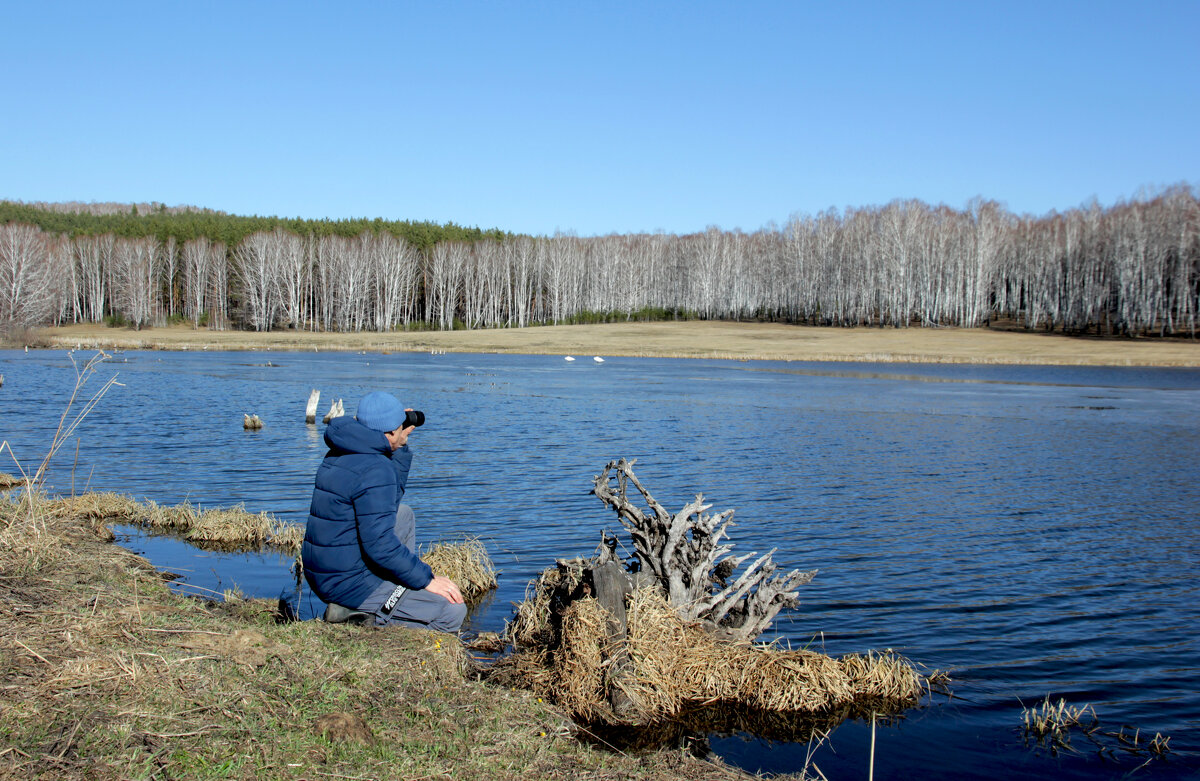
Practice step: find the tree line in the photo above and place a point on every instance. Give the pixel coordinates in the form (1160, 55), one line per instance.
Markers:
(1129, 269)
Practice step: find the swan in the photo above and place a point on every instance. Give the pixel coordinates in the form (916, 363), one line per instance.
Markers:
(569, 358)
(597, 359)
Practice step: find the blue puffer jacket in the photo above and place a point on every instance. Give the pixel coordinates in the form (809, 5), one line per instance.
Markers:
(350, 544)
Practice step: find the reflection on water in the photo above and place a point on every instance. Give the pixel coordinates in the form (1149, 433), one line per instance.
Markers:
(1033, 530)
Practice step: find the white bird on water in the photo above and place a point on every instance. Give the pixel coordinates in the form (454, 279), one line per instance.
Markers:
(569, 358)
(597, 359)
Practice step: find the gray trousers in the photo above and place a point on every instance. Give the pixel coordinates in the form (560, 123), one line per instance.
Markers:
(417, 608)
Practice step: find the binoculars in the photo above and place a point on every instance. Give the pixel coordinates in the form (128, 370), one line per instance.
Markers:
(413, 417)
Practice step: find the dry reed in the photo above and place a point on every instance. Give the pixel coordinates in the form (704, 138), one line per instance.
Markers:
(1054, 721)
(1052, 724)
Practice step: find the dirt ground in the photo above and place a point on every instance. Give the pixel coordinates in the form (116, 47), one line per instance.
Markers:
(692, 339)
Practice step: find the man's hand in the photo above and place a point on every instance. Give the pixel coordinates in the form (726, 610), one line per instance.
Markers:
(399, 438)
(444, 586)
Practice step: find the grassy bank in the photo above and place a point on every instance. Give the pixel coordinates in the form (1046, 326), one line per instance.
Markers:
(106, 673)
(692, 339)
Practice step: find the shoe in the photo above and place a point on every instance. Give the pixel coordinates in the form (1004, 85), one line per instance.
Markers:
(337, 614)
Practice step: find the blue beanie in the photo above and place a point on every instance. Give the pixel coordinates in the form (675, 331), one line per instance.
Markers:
(380, 411)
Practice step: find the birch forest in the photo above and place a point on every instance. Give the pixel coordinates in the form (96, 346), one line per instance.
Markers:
(1132, 269)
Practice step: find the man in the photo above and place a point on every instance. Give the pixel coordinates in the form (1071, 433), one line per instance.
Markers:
(359, 544)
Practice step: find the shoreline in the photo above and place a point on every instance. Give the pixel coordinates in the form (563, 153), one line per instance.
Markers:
(137, 680)
(702, 339)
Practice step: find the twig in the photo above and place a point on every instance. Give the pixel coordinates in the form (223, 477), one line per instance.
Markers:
(871, 771)
(70, 739)
(182, 585)
(200, 731)
(30, 650)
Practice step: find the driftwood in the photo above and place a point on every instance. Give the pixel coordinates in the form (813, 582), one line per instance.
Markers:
(684, 553)
(251, 422)
(336, 410)
(310, 411)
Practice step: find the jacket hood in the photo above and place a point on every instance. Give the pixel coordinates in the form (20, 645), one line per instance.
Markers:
(347, 435)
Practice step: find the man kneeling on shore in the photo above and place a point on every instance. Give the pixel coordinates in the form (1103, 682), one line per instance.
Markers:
(360, 541)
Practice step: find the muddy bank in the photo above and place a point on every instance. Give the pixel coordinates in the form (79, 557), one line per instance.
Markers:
(692, 339)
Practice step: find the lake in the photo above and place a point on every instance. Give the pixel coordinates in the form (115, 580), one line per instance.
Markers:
(1032, 530)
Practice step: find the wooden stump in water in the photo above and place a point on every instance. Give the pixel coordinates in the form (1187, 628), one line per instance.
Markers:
(336, 410)
(251, 422)
(310, 412)
(613, 585)
(672, 631)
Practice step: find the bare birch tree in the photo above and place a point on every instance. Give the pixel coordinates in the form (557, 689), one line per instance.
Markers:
(394, 268)
(443, 282)
(93, 257)
(199, 259)
(295, 276)
(135, 279)
(168, 267)
(26, 295)
(258, 273)
(218, 287)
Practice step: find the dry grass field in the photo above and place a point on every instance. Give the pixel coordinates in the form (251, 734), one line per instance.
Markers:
(692, 339)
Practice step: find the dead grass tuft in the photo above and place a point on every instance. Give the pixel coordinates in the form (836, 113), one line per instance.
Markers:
(8, 481)
(23, 529)
(231, 526)
(535, 622)
(345, 727)
(466, 563)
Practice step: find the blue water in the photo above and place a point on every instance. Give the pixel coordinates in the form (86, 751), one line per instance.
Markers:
(1032, 530)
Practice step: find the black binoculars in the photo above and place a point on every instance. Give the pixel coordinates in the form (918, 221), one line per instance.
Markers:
(413, 417)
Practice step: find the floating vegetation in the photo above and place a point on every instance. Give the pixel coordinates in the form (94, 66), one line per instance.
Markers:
(1052, 724)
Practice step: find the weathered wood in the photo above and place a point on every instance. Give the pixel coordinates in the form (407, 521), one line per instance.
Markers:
(310, 411)
(251, 422)
(336, 410)
(612, 587)
(685, 555)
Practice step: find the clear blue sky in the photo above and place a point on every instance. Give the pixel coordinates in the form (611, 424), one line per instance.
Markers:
(596, 117)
